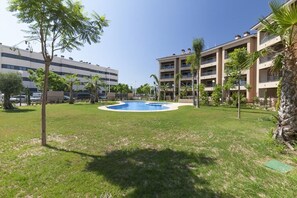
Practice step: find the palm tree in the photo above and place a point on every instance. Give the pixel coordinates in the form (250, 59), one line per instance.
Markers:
(93, 85)
(198, 46)
(192, 60)
(71, 79)
(157, 84)
(283, 23)
(176, 82)
(164, 87)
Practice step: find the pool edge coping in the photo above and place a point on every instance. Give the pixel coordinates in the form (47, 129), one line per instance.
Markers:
(172, 106)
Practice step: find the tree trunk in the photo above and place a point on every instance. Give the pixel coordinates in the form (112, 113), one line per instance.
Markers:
(43, 104)
(159, 93)
(174, 91)
(71, 101)
(287, 126)
(193, 91)
(6, 103)
(198, 97)
(238, 100)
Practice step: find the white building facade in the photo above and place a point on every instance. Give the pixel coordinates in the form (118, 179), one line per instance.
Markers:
(20, 61)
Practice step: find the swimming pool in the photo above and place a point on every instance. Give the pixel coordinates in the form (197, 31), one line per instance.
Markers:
(139, 106)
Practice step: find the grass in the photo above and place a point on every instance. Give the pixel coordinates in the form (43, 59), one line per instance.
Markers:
(183, 153)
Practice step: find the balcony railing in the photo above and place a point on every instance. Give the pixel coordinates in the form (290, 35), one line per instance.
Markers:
(166, 77)
(167, 67)
(185, 65)
(267, 38)
(212, 60)
(266, 59)
(271, 79)
(242, 83)
(187, 76)
(208, 73)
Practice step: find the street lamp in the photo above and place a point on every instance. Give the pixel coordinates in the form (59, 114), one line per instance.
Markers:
(213, 83)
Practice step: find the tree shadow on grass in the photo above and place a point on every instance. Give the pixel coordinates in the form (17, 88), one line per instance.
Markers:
(16, 110)
(154, 173)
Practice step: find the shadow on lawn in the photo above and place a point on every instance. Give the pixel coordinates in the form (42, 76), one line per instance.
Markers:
(153, 173)
(18, 110)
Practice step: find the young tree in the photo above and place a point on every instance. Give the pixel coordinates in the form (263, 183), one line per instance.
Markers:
(55, 82)
(157, 84)
(70, 80)
(283, 23)
(203, 94)
(57, 25)
(216, 95)
(93, 85)
(198, 46)
(10, 83)
(238, 62)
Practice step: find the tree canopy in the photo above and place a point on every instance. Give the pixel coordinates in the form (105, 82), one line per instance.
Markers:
(10, 83)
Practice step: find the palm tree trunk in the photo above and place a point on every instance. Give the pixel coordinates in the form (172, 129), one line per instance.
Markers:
(197, 77)
(287, 126)
(159, 93)
(43, 105)
(238, 100)
(71, 101)
(193, 91)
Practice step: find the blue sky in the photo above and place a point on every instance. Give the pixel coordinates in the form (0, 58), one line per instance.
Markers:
(142, 30)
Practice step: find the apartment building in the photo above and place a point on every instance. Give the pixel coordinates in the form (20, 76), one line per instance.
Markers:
(212, 69)
(267, 80)
(12, 60)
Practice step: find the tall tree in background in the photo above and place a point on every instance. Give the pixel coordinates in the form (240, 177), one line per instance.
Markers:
(177, 77)
(57, 25)
(157, 84)
(238, 62)
(192, 60)
(283, 23)
(10, 83)
(70, 80)
(198, 46)
(165, 87)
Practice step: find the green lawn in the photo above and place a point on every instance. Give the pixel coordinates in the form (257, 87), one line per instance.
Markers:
(183, 153)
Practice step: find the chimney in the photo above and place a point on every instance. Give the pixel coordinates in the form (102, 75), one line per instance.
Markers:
(173, 54)
(237, 37)
(56, 54)
(70, 58)
(189, 50)
(247, 33)
(183, 51)
(62, 56)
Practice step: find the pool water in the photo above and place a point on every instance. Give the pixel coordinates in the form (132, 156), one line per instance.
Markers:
(139, 106)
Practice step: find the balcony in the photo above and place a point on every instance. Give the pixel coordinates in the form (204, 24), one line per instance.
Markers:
(167, 67)
(270, 79)
(186, 76)
(267, 38)
(208, 73)
(167, 77)
(185, 65)
(211, 60)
